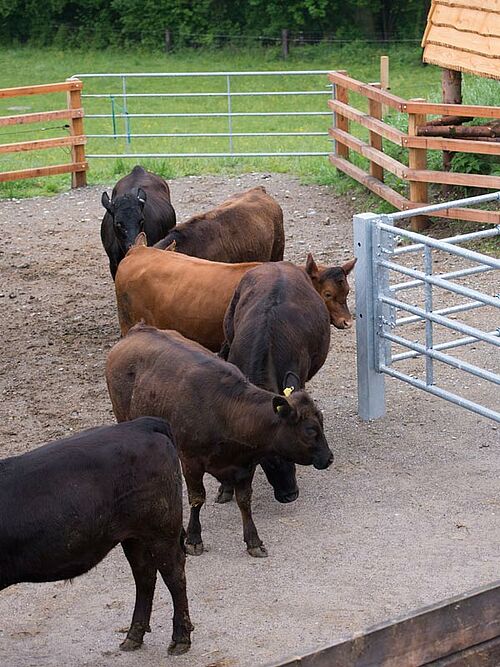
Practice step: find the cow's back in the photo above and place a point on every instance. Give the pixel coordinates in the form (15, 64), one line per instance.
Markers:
(276, 324)
(247, 227)
(170, 290)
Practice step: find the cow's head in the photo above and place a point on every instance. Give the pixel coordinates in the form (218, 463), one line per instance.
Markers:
(332, 286)
(127, 212)
(299, 437)
(281, 475)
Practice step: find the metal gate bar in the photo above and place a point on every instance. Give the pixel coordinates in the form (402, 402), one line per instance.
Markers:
(376, 307)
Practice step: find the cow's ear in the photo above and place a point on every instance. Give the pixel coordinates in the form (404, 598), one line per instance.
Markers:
(171, 246)
(282, 407)
(141, 196)
(106, 203)
(140, 239)
(311, 267)
(348, 266)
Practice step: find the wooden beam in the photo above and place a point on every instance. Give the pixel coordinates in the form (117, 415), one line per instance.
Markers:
(42, 171)
(482, 145)
(373, 154)
(372, 124)
(422, 175)
(451, 109)
(40, 144)
(70, 84)
(432, 635)
(375, 110)
(41, 117)
(367, 91)
(342, 97)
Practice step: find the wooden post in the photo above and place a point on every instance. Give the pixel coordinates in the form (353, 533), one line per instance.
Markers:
(284, 43)
(375, 110)
(417, 159)
(168, 40)
(384, 79)
(342, 95)
(78, 178)
(451, 85)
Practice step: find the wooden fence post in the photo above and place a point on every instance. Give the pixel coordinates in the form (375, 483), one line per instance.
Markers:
(375, 110)
(417, 159)
(384, 79)
(284, 43)
(451, 86)
(78, 178)
(342, 95)
(168, 40)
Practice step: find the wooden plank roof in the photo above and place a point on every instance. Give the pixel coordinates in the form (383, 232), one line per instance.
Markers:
(464, 35)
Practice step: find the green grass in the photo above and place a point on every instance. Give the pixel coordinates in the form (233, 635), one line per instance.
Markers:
(29, 66)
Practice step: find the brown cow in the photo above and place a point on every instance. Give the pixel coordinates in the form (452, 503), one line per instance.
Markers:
(248, 227)
(222, 424)
(277, 332)
(171, 290)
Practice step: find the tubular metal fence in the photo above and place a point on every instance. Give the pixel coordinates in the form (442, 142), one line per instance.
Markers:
(383, 252)
(115, 106)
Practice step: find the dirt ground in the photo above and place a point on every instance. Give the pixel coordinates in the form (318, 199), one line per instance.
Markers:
(408, 514)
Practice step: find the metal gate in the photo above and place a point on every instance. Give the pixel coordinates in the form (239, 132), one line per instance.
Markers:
(384, 251)
(144, 115)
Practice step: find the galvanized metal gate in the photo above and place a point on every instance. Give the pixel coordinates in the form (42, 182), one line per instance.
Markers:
(384, 251)
(122, 109)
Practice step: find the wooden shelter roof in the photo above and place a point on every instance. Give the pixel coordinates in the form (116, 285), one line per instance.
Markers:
(464, 35)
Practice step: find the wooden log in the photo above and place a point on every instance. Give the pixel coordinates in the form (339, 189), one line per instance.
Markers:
(448, 120)
(458, 131)
(451, 82)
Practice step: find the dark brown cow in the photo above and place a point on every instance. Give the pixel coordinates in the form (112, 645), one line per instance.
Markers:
(222, 424)
(170, 290)
(65, 505)
(277, 331)
(248, 227)
(140, 201)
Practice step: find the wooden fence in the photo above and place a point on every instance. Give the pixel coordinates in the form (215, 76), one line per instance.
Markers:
(76, 141)
(416, 172)
(463, 631)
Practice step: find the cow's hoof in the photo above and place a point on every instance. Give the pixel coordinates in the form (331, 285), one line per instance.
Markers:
(224, 495)
(178, 648)
(258, 552)
(194, 549)
(130, 645)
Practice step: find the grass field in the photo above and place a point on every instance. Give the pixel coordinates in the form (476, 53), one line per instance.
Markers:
(27, 66)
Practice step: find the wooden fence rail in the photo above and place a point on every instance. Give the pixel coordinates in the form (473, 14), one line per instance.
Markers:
(76, 142)
(416, 172)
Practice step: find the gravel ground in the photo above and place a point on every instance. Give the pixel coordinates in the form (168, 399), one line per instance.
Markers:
(408, 514)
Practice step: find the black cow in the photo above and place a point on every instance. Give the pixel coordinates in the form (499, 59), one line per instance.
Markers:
(65, 505)
(277, 331)
(139, 202)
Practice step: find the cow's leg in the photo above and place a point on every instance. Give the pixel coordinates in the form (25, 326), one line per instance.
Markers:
(243, 489)
(193, 475)
(225, 493)
(144, 571)
(170, 560)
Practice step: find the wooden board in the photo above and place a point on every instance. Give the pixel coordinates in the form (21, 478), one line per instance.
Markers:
(41, 117)
(435, 633)
(367, 90)
(482, 5)
(40, 144)
(43, 171)
(452, 178)
(73, 84)
(461, 61)
(369, 152)
(473, 21)
(378, 126)
(455, 145)
(473, 111)
(403, 204)
(465, 40)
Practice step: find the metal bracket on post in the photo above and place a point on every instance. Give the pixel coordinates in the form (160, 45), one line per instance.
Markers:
(371, 390)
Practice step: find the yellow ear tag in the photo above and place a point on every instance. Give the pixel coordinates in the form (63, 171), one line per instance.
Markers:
(287, 391)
